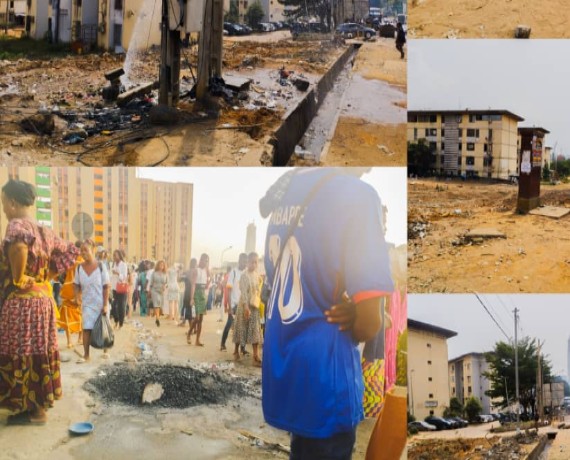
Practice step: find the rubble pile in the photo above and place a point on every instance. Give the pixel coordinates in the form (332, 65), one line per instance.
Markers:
(494, 448)
(170, 385)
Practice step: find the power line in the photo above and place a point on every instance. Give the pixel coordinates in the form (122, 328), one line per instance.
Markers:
(492, 317)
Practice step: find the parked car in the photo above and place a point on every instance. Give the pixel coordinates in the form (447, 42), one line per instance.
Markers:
(232, 29)
(354, 30)
(461, 422)
(438, 422)
(421, 426)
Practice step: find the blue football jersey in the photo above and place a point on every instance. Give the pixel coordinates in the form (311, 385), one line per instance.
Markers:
(312, 378)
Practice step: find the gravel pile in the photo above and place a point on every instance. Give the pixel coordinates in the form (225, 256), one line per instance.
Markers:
(183, 386)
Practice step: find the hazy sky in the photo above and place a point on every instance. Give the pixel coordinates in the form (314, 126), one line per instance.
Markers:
(226, 201)
(528, 77)
(546, 317)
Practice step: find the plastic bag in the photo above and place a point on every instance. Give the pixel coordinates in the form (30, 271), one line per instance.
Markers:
(102, 334)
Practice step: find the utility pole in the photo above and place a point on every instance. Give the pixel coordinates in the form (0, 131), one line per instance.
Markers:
(539, 392)
(169, 90)
(516, 312)
(210, 47)
(7, 14)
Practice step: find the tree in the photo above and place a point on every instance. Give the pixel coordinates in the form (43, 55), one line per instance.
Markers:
(254, 15)
(502, 370)
(546, 172)
(420, 158)
(233, 14)
(473, 408)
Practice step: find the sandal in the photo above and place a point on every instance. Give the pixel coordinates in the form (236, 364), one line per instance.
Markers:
(24, 418)
(82, 360)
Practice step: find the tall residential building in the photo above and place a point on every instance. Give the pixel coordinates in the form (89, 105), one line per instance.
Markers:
(428, 375)
(473, 143)
(466, 379)
(147, 219)
(250, 238)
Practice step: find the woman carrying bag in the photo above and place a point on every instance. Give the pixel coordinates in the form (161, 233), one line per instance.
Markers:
(92, 293)
(120, 286)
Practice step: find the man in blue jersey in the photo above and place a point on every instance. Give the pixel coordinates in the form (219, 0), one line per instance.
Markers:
(325, 241)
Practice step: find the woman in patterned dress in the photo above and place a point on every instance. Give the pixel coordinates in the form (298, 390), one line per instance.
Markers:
(247, 328)
(30, 379)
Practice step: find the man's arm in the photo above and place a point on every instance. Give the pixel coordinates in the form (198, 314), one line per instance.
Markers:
(368, 319)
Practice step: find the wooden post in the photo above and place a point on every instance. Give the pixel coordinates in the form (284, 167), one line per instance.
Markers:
(210, 47)
(169, 79)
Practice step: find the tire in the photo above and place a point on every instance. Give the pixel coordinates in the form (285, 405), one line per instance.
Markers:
(367, 35)
(349, 35)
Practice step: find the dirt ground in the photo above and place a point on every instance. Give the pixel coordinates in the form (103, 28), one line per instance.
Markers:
(532, 258)
(363, 139)
(71, 86)
(487, 18)
(135, 432)
(489, 448)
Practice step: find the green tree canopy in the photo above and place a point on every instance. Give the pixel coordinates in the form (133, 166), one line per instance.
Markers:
(473, 408)
(233, 14)
(502, 371)
(254, 15)
(420, 158)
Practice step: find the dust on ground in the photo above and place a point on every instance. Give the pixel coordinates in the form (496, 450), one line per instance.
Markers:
(489, 448)
(69, 88)
(227, 425)
(532, 258)
(487, 18)
(361, 138)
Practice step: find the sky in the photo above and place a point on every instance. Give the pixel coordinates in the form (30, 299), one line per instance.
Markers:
(528, 77)
(226, 201)
(544, 316)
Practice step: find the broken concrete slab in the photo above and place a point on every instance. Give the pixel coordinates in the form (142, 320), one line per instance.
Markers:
(485, 233)
(554, 212)
(139, 91)
(152, 392)
(237, 83)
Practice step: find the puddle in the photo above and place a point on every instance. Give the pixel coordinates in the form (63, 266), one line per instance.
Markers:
(182, 386)
(373, 100)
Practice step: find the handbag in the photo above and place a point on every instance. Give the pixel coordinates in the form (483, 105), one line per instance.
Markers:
(122, 288)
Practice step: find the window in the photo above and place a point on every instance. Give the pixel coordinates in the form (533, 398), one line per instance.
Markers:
(469, 391)
(458, 161)
(443, 146)
(470, 146)
(429, 363)
(470, 161)
(487, 160)
(473, 133)
(468, 379)
(430, 379)
(431, 412)
(460, 133)
(415, 133)
(428, 345)
(453, 390)
(485, 147)
(460, 147)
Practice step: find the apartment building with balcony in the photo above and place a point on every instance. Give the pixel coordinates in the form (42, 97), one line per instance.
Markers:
(428, 374)
(469, 143)
(148, 219)
(466, 379)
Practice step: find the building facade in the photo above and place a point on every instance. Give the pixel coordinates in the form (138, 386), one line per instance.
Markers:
(428, 374)
(147, 219)
(469, 143)
(250, 238)
(466, 379)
